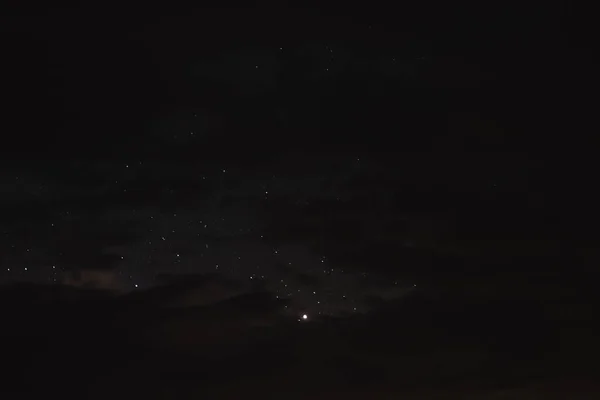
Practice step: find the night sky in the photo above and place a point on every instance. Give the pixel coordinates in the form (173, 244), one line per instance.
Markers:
(177, 179)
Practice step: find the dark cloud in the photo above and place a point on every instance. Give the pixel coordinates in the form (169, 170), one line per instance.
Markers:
(284, 268)
(99, 278)
(374, 301)
(307, 280)
(447, 338)
(191, 290)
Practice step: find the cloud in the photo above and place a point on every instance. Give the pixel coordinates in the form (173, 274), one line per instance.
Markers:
(307, 280)
(195, 290)
(93, 278)
(199, 314)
